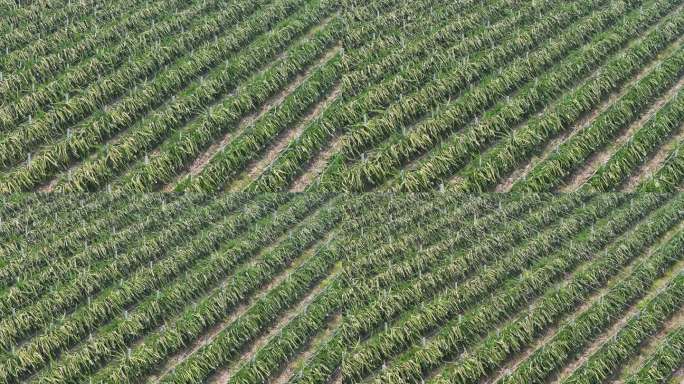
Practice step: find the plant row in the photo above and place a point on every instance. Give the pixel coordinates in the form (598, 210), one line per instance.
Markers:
(670, 174)
(639, 147)
(559, 116)
(466, 329)
(520, 333)
(573, 152)
(459, 113)
(462, 146)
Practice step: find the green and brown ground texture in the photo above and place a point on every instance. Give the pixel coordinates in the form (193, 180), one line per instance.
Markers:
(342, 288)
(575, 108)
(341, 95)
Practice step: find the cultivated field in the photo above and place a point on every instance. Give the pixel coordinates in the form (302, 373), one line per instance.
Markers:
(320, 288)
(288, 95)
(575, 108)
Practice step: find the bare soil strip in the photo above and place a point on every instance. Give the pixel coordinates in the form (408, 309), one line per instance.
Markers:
(651, 344)
(316, 164)
(299, 360)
